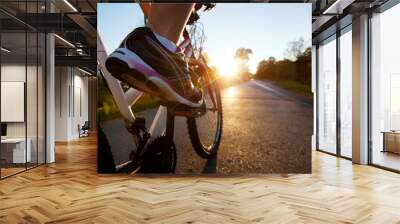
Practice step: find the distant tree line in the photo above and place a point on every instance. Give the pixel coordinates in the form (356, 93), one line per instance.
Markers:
(295, 67)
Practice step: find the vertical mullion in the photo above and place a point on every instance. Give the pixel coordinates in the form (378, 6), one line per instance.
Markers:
(60, 88)
(338, 81)
(45, 95)
(317, 95)
(369, 91)
(0, 93)
(69, 92)
(26, 86)
(37, 88)
(45, 87)
(73, 92)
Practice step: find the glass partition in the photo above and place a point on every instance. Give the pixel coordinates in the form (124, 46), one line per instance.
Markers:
(22, 88)
(13, 105)
(327, 96)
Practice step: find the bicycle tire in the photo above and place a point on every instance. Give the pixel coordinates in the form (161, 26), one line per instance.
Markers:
(207, 152)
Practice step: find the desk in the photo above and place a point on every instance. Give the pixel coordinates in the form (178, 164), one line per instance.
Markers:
(391, 141)
(16, 148)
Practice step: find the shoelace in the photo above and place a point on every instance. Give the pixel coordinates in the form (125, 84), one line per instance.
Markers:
(183, 62)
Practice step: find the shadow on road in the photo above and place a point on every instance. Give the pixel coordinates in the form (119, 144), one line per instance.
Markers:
(211, 165)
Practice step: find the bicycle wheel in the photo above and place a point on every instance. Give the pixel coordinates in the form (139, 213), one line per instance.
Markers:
(205, 131)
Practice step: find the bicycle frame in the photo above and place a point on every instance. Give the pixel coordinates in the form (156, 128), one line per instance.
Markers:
(163, 122)
(187, 48)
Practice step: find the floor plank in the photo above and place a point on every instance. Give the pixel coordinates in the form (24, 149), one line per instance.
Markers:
(70, 191)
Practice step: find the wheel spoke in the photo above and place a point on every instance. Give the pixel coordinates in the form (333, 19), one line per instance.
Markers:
(206, 129)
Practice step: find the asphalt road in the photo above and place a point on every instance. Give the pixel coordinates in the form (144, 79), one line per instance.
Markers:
(266, 130)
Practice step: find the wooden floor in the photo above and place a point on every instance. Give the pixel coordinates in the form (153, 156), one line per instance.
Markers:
(387, 159)
(70, 191)
(11, 170)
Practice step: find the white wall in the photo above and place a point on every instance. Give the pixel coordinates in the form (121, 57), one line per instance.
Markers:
(62, 81)
(71, 87)
(14, 73)
(80, 88)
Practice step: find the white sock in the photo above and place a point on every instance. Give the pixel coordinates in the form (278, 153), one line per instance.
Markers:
(166, 43)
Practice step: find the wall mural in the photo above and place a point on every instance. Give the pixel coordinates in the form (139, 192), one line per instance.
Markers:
(230, 95)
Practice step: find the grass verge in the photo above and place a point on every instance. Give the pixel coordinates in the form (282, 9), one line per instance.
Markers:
(296, 87)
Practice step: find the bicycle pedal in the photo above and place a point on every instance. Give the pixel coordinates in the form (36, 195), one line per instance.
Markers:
(186, 111)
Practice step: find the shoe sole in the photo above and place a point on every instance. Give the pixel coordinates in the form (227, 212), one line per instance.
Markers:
(121, 71)
(152, 84)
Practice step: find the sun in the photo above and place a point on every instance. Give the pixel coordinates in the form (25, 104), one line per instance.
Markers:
(226, 68)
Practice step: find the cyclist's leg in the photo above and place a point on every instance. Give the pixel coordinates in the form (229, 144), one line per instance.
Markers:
(169, 20)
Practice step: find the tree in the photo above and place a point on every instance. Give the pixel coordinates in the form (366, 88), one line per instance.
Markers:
(243, 54)
(271, 60)
(303, 66)
(295, 48)
(262, 69)
(305, 54)
(242, 57)
(296, 66)
(267, 68)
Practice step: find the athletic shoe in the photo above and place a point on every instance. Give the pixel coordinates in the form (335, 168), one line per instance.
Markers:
(144, 63)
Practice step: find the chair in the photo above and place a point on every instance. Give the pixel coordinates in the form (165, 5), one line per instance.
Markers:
(84, 130)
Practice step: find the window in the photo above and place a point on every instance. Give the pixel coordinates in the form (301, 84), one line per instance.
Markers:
(346, 93)
(327, 96)
(385, 89)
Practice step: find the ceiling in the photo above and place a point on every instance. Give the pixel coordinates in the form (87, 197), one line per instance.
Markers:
(328, 13)
(75, 21)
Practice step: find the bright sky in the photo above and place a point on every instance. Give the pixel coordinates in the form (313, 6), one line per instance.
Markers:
(265, 28)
